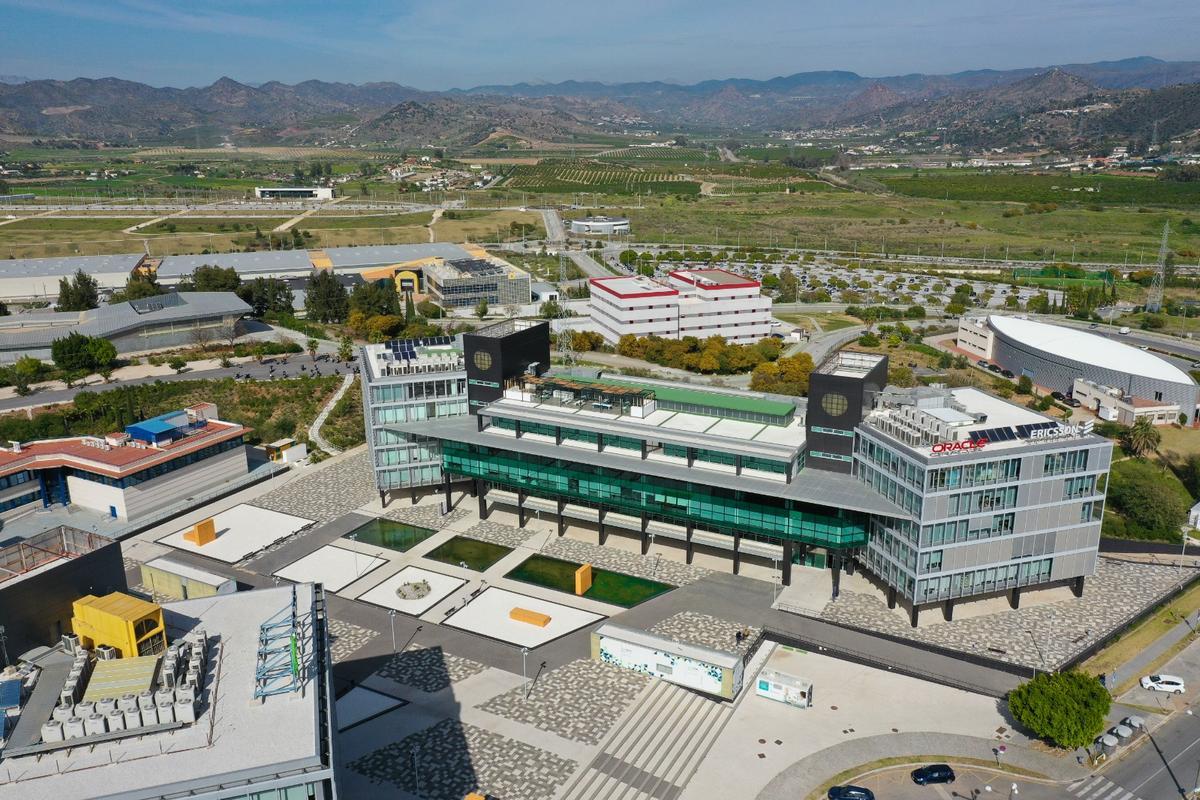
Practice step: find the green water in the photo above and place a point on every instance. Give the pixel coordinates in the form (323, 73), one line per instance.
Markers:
(607, 587)
(390, 534)
(475, 554)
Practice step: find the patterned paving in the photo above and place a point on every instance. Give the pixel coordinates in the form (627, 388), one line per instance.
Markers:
(1042, 636)
(324, 494)
(708, 631)
(450, 759)
(427, 516)
(651, 567)
(579, 701)
(496, 533)
(345, 638)
(429, 669)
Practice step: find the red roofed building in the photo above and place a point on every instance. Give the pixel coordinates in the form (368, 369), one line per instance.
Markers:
(153, 463)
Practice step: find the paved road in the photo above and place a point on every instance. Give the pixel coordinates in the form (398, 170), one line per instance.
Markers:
(554, 226)
(588, 265)
(1166, 766)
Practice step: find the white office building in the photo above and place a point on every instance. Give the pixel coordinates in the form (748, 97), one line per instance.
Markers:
(691, 302)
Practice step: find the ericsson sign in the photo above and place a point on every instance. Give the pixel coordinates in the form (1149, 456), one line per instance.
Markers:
(1062, 432)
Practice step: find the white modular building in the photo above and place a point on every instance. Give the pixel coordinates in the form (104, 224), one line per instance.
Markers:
(692, 302)
(600, 226)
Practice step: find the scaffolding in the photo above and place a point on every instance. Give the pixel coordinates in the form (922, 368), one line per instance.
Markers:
(277, 668)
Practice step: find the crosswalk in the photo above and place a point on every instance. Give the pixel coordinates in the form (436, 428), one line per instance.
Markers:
(1098, 787)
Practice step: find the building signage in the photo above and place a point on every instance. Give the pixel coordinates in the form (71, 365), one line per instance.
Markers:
(1062, 431)
(950, 448)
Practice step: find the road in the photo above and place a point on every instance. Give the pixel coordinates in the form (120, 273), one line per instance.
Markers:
(554, 226)
(1166, 766)
(588, 265)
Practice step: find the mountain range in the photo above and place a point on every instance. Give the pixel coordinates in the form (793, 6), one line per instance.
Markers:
(122, 112)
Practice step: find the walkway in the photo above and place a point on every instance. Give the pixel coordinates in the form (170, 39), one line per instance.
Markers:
(314, 430)
(287, 226)
(187, 210)
(433, 220)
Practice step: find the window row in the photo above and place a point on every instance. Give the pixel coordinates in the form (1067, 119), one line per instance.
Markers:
(1062, 463)
(968, 475)
(983, 500)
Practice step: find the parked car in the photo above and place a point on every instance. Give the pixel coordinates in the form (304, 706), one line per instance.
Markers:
(933, 773)
(1094, 325)
(994, 367)
(1058, 396)
(1124, 331)
(982, 362)
(1164, 683)
(1008, 373)
(850, 793)
(1073, 403)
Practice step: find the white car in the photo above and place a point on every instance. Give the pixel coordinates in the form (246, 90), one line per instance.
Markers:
(1164, 683)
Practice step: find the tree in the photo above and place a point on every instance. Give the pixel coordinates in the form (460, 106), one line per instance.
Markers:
(209, 278)
(1067, 708)
(345, 349)
(481, 310)
(550, 310)
(311, 346)
(628, 257)
(410, 309)
(375, 298)
(901, 376)
(326, 299)
(1151, 504)
(266, 296)
(24, 373)
(1025, 385)
(430, 310)
(868, 339)
(1141, 438)
(788, 286)
(78, 294)
(228, 332)
(71, 353)
(177, 363)
(102, 353)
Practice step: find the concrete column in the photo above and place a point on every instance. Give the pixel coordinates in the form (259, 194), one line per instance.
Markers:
(600, 524)
(913, 614)
(599, 442)
(520, 509)
(737, 553)
(837, 576)
(558, 434)
(737, 465)
(789, 472)
(412, 494)
(517, 429)
(690, 547)
(1077, 586)
(562, 520)
(446, 489)
(691, 456)
(474, 488)
(481, 493)
(645, 536)
(948, 610)
(892, 597)
(787, 562)
(479, 422)
(644, 451)
(1014, 598)
(383, 498)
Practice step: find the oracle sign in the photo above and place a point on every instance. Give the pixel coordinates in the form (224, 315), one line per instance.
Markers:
(950, 448)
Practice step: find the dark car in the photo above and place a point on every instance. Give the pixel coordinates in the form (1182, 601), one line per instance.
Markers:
(1073, 403)
(934, 773)
(994, 367)
(850, 793)
(1008, 373)
(1059, 396)
(982, 362)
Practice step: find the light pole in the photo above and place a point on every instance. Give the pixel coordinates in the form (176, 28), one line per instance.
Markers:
(1038, 650)
(392, 624)
(1013, 791)
(774, 582)
(524, 674)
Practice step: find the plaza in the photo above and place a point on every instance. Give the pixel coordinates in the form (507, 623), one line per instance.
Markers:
(333, 566)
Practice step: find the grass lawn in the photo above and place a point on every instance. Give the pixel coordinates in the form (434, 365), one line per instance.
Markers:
(388, 533)
(827, 322)
(477, 555)
(607, 587)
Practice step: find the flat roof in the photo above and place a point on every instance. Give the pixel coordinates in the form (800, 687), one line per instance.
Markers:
(187, 571)
(1088, 348)
(714, 279)
(234, 738)
(719, 400)
(631, 286)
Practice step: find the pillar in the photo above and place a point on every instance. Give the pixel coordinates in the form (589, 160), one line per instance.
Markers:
(558, 434)
(599, 442)
(383, 498)
(446, 489)
(479, 422)
(474, 488)
(691, 456)
(517, 429)
(690, 547)
(788, 476)
(737, 552)
(892, 597)
(737, 465)
(1014, 598)
(481, 493)
(520, 509)
(1077, 586)
(836, 566)
(913, 613)
(787, 562)
(644, 451)
(948, 610)
(412, 494)
(562, 520)
(645, 537)
(600, 523)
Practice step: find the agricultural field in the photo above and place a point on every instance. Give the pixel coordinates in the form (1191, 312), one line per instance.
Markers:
(484, 226)
(783, 151)
(564, 177)
(667, 155)
(1062, 189)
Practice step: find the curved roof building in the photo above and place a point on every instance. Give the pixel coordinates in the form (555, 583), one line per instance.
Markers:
(1053, 356)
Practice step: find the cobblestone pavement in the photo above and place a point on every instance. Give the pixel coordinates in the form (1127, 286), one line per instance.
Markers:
(650, 567)
(579, 701)
(1042, 637)
(453, 759)
(708, 631)
(429, 669)
(427, 516)
(496, 533)
(326, 494)
(345, 638)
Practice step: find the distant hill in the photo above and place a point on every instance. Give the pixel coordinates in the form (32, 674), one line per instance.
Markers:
(981, 106)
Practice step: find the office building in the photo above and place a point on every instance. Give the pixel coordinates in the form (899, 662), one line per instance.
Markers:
(464, 283)
(943, 494)
(152, 464)
(293, 192)
(691, 302)
(239, 705)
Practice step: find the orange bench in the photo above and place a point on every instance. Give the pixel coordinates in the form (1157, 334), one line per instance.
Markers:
(530, 617)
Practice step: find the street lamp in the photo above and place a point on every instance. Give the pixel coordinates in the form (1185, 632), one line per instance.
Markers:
(524, 675)
(392, 623)
(1013, 791)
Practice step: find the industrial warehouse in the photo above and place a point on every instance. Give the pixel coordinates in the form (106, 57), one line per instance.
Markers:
(941, 494)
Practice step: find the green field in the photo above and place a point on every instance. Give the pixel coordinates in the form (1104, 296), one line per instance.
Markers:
(331, 222)
(564, 177)
(1028, 188)
(607, 587)
(668, 155)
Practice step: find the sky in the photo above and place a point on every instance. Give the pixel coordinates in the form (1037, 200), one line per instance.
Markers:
(442, 44)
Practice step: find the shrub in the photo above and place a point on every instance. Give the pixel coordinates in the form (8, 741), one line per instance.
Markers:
(1068, 709)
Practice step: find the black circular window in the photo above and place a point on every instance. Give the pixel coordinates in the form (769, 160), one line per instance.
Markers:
(483, 361)
(835, 404)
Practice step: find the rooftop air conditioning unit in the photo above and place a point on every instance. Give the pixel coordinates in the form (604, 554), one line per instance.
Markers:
(106, 653)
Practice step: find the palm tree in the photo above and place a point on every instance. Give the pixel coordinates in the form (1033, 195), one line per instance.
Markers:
(311, 345)
(1141, 438)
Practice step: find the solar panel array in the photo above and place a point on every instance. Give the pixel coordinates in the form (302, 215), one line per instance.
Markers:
(1010, 433)
(407, 348)
(478, 267)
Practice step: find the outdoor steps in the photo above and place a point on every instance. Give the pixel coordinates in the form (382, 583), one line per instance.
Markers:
(654, 749)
